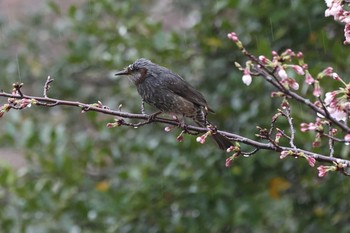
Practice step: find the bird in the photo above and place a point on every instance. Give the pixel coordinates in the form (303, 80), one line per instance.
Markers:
(171, 94)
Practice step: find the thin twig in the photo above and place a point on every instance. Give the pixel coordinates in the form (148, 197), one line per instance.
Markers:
(291, 126)
(247, 154)
(47, 85)
(331, 141)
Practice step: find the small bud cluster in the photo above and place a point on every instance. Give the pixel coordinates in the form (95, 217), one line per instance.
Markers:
(323, 170)
(237, 152)
(17, 104)
(311, 160)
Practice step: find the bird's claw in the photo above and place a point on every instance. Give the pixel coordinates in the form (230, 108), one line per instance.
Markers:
(152, 116)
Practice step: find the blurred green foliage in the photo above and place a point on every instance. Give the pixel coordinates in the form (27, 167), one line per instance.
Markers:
(84, 177)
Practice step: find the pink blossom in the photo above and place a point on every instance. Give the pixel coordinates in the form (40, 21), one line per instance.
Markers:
(25, 103)
(322, 171)
(201, 139)
(298, 70)
(306, 127)
(168, 128)
(247, 78)
(263, 59)
(311, 161)
(309, 79)
(300, 55)
(317, 89)
(278, 137)
(335, 76)
(339, 115)
(347, 138)
(328, 71)
(293, 84)
(282, 73)
(231, 148)
(284, 154)
(330, 97)
(334, 10)
(274, 53)
(228, 162)
(233, 36)
(337, 109)
(347, 33)
(288, 53)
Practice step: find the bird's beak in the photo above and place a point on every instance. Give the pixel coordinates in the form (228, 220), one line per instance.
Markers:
(122, 72)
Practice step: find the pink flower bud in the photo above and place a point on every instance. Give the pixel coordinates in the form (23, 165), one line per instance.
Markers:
(335, 76)
(304, 127)
(347, 138)
(328, 71)
(233, 36)
(322, 171)
(282, 73)
(264, 60)
(311, 160)
(330, 97)
(247, 79)
(231, 148)
(228, 162)
(317, 89)
(298, 70)
(309, 79)
(284, 154)
(293, 84)
(168, 128)
(201, 139)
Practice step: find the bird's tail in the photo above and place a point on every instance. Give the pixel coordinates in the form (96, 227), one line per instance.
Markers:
(222, 141)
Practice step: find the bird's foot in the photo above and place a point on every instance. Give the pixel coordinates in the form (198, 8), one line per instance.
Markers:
(182, 124)
(143, 107)
(185, 128)
(212, 128)
(152, 116)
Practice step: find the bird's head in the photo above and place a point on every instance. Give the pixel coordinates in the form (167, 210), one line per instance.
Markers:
(137, 71)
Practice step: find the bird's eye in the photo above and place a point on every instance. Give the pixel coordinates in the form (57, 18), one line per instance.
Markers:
(131, 67)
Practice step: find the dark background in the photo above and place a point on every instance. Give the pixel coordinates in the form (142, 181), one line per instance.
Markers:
(64, 171)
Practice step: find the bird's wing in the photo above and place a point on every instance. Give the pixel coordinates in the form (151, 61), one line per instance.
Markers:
(182, 88)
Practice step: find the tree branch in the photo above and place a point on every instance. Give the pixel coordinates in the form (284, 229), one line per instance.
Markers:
(147, 119)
